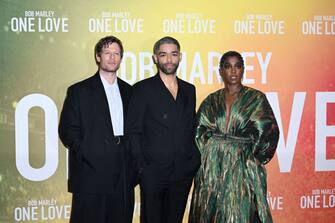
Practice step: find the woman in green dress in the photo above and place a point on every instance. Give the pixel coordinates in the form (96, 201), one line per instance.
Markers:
(237, 134)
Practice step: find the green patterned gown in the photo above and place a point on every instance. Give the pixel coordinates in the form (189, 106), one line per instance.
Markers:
(230, 185)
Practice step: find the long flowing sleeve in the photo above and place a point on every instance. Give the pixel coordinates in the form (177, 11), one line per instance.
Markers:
(205, 123)
(267, 132)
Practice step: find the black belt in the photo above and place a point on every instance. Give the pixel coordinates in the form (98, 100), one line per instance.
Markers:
(117, 140)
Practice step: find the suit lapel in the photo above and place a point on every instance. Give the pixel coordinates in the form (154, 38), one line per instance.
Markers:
(165, 101)
(101, 100)
(174, 109)
(124, 97)
(163, 91)
(181, 100)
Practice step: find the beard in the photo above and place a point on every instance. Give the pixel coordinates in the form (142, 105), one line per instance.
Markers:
(168, 70)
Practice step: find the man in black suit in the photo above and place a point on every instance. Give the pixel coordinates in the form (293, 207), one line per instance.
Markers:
(160, 125)
(92, 128)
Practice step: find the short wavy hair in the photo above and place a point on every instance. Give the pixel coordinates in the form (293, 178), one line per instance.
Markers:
(165, 40)
(105, 42)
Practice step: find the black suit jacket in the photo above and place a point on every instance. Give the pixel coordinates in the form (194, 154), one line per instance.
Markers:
(96, 162)
(161, 130)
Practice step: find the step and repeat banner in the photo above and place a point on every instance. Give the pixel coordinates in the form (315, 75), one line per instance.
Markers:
(288, 47)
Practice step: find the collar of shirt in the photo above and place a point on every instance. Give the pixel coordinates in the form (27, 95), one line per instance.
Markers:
(115, 105)
(111, 87)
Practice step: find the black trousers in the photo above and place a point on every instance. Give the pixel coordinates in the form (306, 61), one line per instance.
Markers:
(102, 208)
(164, 201)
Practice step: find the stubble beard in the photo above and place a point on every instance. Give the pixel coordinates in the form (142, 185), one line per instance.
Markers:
(166, 70)
(110, 70)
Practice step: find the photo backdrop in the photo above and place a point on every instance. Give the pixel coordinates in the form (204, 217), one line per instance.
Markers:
(288, 47)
